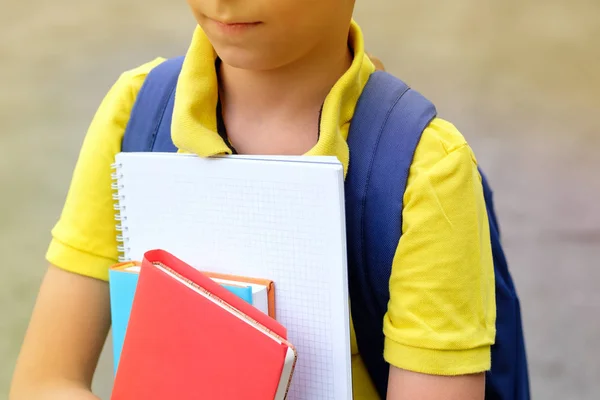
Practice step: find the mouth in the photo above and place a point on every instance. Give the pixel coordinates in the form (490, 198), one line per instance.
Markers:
(232, 26)
(237, 23)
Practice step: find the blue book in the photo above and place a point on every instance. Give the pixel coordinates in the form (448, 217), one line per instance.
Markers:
(123, 280)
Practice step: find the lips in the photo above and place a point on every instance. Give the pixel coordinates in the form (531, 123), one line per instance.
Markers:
(238, 24)
(235, 28)
(235, 23)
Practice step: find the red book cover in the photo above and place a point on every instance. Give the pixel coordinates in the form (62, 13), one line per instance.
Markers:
(190, 338)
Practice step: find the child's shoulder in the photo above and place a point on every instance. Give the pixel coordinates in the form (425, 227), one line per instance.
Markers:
(444, 133)
(142, 70)
(442, 141)
(133, 78)
(119, 100)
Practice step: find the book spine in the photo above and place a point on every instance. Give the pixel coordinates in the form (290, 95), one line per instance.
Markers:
(120, 212)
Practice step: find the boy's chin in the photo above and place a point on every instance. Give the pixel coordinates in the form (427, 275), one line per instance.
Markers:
(249, 60)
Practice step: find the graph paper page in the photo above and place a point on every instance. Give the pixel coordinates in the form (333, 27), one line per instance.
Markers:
(276, 218)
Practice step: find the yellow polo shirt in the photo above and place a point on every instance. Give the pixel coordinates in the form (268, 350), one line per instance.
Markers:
(441, 314)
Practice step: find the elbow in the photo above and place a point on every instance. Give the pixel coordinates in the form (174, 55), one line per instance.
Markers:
(25, 386)
(27, 389)
(20, 389)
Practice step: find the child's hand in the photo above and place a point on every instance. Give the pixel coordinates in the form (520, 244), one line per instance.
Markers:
(377, 62)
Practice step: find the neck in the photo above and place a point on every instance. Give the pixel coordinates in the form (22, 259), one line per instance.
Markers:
(294, 89)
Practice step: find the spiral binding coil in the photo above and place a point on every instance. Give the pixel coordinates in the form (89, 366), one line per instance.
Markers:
(120, 215)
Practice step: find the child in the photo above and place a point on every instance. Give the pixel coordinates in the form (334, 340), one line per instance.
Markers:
(285, 76)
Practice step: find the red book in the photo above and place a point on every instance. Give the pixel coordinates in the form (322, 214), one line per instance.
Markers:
(190, 338)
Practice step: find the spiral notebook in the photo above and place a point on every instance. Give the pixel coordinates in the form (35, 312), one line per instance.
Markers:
(281, 218)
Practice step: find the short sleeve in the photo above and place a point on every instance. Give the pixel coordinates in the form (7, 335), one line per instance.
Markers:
(442, 311)
(84, 238)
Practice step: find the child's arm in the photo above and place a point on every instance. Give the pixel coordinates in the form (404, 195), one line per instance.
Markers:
(71, 318)
(64, 340)
(440, 322)
(407, 385)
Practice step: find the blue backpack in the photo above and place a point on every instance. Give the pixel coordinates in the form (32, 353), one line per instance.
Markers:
(384, 133)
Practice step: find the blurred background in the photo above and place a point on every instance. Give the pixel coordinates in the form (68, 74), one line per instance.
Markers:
(521, 80)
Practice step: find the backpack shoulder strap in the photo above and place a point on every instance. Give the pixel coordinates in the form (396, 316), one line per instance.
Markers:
(149, 126)
(384, 133)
